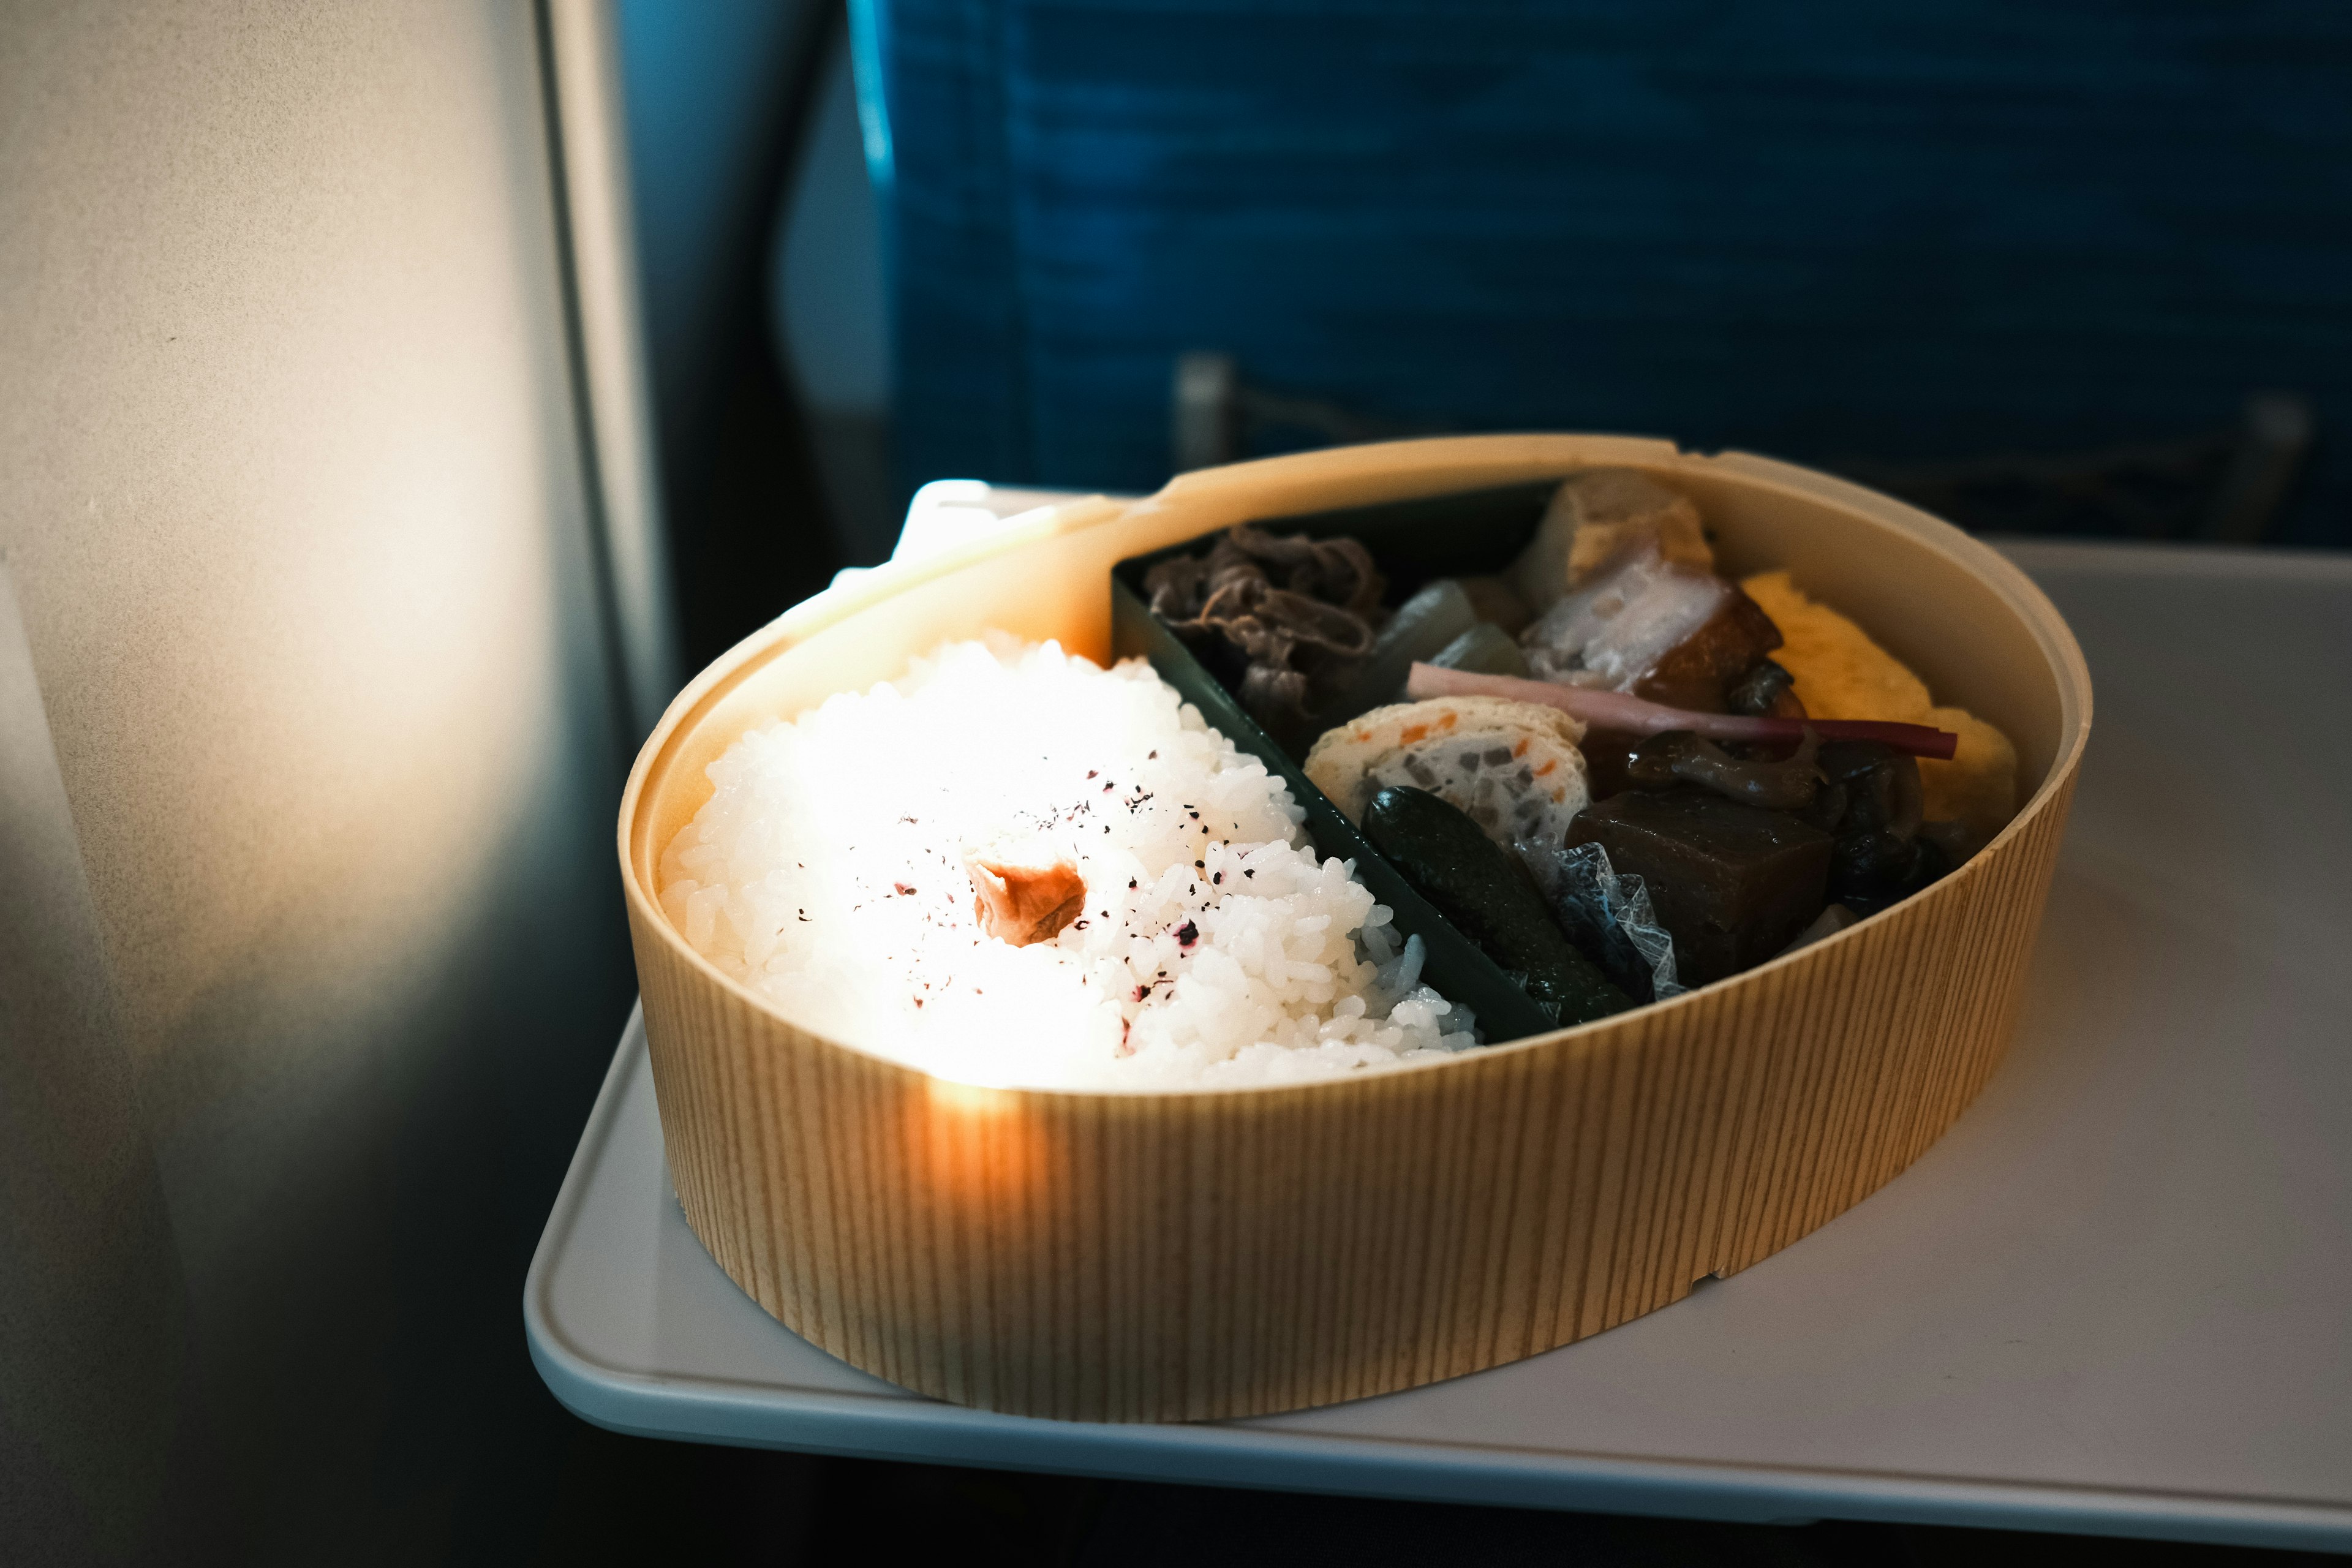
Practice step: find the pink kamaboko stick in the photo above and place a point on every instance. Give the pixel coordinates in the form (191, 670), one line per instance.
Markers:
(1623, 712)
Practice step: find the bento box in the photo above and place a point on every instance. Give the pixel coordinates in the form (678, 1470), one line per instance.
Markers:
(1190, 1255)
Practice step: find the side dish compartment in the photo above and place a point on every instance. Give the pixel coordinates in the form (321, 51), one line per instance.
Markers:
(1416, 542)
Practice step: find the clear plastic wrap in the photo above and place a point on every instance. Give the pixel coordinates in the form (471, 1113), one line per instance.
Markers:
(1607, 916)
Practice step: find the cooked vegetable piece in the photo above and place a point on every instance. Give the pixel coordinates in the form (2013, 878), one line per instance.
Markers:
(1495, 600)
(1610, 632)
(1596, 516)
(1733, 883)
(1486, 649)
(1474, 884)
(1655, 627)
(1422, 628)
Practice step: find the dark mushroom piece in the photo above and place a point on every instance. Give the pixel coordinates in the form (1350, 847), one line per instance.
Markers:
(1872, 870)
(1874, 804)
(1679, 756)
(1881, 786)
(1765, 692)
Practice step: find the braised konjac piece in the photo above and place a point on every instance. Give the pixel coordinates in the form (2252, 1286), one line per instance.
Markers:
(1733, 883)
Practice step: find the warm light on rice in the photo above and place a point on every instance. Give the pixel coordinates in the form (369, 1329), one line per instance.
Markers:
(827, 873)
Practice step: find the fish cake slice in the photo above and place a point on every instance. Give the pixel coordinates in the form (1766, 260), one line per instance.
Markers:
(1513, 768)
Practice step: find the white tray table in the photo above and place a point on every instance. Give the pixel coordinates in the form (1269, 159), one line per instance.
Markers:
(2116, 1298)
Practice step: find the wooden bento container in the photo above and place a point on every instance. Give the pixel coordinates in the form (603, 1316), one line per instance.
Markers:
(1155, 1256)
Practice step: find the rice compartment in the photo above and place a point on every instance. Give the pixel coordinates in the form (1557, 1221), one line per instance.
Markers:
(830, 872)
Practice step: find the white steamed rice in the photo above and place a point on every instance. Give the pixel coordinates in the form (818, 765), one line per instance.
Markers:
(827, 873)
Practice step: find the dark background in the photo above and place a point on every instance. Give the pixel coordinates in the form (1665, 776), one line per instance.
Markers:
(2079, 269)
(1839, 232)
